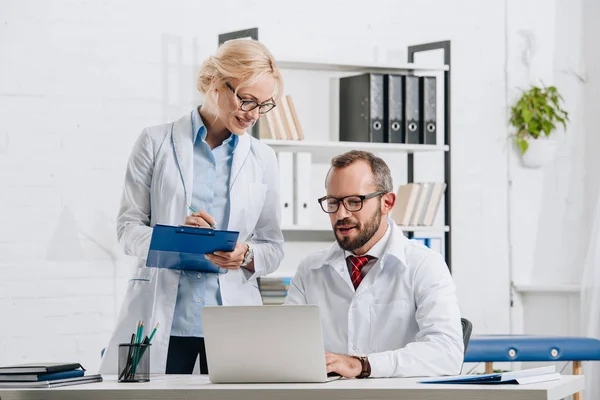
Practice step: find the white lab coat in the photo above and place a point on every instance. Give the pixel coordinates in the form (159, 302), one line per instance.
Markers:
(157, 190)
(404, 315)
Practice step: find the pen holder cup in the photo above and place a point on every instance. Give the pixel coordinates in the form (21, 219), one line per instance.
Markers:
(134, 362)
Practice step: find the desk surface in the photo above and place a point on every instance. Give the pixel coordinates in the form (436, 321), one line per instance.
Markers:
(184, 387)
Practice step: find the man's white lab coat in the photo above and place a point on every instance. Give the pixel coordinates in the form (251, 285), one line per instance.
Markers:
(404, 315)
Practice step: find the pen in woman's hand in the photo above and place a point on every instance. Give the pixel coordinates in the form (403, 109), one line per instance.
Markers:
(194, 211)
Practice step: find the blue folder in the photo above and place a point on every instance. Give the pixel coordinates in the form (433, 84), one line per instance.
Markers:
(184, 247)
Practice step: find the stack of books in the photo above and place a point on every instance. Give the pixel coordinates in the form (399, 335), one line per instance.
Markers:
(282, 122)
(45, 375)
(273, 290)
(417, 203)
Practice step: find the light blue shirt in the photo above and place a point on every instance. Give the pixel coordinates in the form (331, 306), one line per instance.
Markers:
(212, 169)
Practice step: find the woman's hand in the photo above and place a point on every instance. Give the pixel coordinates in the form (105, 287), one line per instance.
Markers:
(200, 219)
(229, 259)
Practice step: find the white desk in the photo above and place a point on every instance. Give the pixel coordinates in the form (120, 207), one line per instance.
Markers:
(180, 387)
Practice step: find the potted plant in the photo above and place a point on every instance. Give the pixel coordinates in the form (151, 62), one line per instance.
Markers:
(535, 116)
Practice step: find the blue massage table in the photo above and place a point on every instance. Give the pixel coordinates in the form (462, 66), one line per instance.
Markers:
(523, 348)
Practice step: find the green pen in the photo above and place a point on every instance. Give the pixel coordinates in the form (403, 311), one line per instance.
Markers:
(146, 341)
(192, 210)
(152, 334)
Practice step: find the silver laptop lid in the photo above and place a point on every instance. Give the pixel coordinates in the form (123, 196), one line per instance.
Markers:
(264, 344)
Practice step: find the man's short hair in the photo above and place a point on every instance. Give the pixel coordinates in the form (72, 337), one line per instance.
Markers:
(382, 176)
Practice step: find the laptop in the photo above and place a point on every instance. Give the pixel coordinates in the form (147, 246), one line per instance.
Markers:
(264, 344)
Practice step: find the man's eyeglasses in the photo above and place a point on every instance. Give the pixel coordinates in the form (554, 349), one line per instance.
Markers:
(352, 203)
(249, 105)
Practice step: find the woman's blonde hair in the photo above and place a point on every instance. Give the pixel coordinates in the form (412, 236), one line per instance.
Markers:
(246, 60)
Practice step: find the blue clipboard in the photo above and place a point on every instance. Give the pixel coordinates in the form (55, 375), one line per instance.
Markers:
(184, 247)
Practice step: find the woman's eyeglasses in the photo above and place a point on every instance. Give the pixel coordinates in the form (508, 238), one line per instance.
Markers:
(249, 105)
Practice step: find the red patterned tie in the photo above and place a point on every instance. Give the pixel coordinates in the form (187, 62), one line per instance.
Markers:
(356, 264)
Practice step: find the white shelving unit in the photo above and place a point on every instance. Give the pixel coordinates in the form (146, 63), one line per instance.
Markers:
(358, 68)
(329, 229)
(300, 228)
(546, 288)
(331, 147)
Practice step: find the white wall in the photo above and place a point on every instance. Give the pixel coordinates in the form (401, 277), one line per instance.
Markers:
(546, 203)
(591, 74)
(80, 80)
(553, 209)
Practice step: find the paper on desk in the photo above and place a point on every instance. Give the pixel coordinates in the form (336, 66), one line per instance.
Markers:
(526, 376)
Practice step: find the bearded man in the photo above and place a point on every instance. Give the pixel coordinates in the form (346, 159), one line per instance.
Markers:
(388, 304)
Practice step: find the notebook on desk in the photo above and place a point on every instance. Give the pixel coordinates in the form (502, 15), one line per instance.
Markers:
(259, 344)
(39, 368)
(53, 383)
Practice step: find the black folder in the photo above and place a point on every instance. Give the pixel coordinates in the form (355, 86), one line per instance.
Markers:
(362, 116)
(428, 98)
(394, 87)
(412, 107)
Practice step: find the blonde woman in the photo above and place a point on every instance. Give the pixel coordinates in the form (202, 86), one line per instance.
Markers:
(203, 162)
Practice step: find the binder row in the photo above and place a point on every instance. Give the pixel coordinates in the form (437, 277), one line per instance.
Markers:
(295, 188)
(388, 108)
(417, 203)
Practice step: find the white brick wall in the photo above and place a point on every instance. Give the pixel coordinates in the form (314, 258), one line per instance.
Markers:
(79, 80)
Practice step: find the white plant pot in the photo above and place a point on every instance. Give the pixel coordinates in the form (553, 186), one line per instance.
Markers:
(539, 153)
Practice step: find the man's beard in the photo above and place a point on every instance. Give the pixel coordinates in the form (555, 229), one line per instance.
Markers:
(365, 233)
